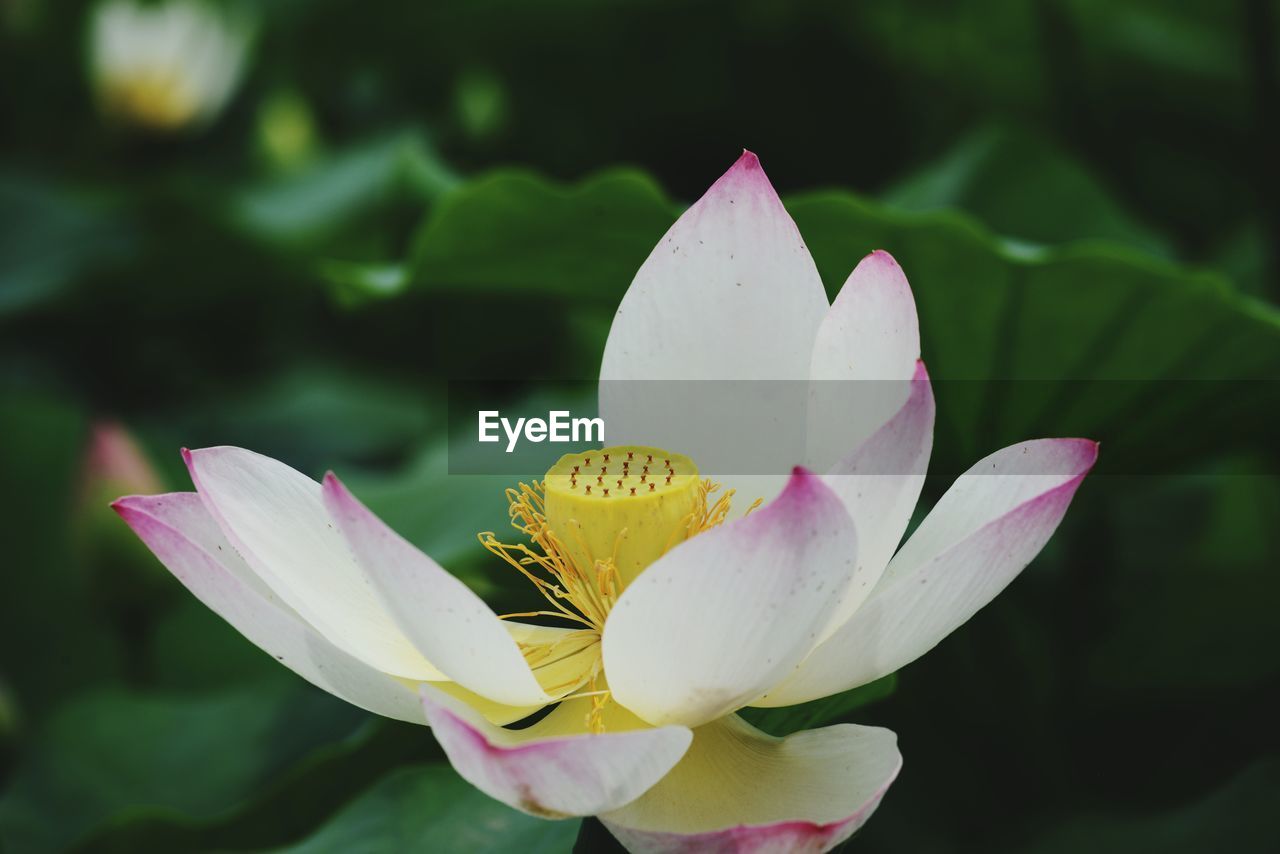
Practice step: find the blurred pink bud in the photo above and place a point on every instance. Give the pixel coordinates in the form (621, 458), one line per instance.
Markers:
(115, 464)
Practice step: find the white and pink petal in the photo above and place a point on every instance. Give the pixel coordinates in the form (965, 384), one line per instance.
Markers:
(879, 483)
(740, 791)
(556, 767)
(446, 621)
(864, 358)
(724, 616)
(730, 292)
(182, 534)
(728, 301)
(991, 523)
(276, 519)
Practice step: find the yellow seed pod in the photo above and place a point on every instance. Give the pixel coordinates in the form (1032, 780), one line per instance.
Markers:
(630, 502)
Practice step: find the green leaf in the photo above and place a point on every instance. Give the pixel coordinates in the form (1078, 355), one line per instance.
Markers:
(297, 802)
(1239, 816)
(1199, 553)
(512, 231)
(194, 649)
(54, 636)
(1004, 175)
(1083, 331)
(430, 808)
(314, 415)
(1243, 256)
(1188, 41)
(49, 236)
(302, 210)
(355, 283)
(480, 101)
(1160, 96)
(114, 754)
(828, 710)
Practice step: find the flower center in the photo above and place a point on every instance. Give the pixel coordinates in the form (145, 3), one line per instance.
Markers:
(627, 505)
(594, 523)
(149, 97)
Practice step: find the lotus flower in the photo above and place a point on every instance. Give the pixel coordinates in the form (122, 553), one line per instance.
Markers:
(672, 609)
(166, 66)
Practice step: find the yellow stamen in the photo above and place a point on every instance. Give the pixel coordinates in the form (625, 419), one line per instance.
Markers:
(153, 98)
(595, 718)
(564, 662)
(634, 525)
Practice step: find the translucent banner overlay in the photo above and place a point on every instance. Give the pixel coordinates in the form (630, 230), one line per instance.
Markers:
(766, 427)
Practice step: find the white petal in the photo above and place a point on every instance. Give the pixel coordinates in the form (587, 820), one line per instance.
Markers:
(449, 624)
(182, 534)
(864, 355)
(879, 484)
(722, 617)
(984, 531)
(730, 293)
(740, 790)
(495, 713)
(276, 518)
(179, 530)
(555, 768)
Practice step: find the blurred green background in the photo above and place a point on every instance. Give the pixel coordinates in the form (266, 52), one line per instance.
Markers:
(402, 194)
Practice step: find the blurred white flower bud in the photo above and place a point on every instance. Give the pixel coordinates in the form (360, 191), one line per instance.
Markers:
(167, 66)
